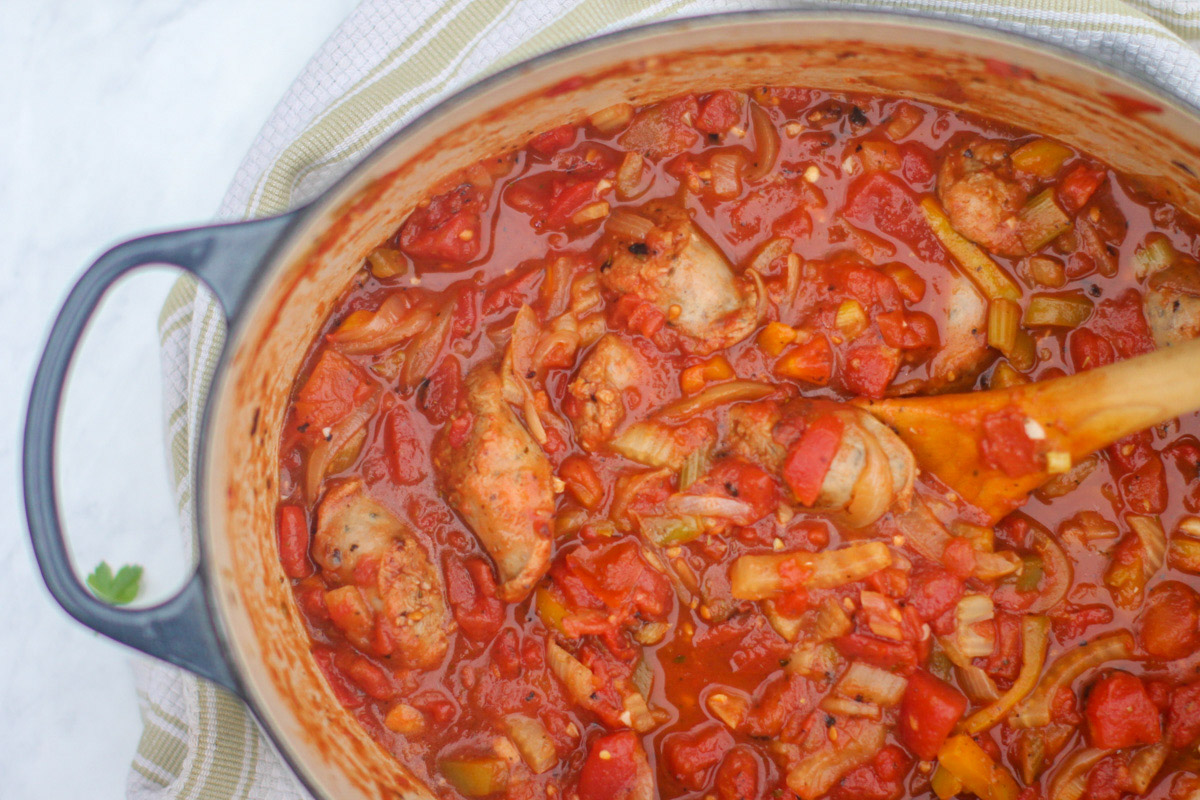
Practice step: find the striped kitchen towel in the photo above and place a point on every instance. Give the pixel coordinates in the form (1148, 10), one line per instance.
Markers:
(387, 62)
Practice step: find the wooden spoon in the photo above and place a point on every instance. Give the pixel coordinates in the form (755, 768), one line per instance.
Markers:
(1074, 415)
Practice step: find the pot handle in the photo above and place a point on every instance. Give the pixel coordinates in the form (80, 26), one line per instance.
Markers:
(180, 630)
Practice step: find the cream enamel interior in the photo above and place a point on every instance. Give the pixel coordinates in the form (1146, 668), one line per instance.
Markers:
(891, 55)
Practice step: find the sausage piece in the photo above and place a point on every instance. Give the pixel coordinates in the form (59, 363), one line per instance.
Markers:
(680, 272)
(607, 371)
(404, 589)
(497, 478)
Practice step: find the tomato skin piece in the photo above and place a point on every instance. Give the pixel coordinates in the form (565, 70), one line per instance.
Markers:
(1120, 713)
(335, 387)
(365, 675)
(293, 542)
(614, 776)
(1169, 625)
(1183, 715)
(808, 459)
(929, 711)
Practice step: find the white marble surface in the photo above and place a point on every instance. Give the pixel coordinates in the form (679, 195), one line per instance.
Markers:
(116, 116)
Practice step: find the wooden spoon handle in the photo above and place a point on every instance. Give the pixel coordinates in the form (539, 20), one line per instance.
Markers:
(1095, 408)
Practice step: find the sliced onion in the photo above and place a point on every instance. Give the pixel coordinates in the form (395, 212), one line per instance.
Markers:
(971, 610)
(339, 436)
(977, 684)
(726, 171)
(628, 226)
(629, 175)
(1035, 711)
(1154, 541)
(704, 505)
(848, 707)
(1058, 571)
(766, 143)
(390, 324)
(871, 683)
(423, 351)
(817, 772)
(770, 252)
(713, 396)
(1035, 635)
(650, 443)
(1145, 764)
(576, 677)
(1070, 780)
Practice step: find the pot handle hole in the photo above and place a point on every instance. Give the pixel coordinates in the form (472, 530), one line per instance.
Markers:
(180, 630)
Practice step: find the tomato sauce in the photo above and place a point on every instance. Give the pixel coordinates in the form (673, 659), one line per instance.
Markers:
(582, 422)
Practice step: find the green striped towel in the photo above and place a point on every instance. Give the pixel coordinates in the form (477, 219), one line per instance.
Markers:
(388, 61)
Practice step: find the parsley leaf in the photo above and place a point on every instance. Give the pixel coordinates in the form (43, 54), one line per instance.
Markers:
(119, 589)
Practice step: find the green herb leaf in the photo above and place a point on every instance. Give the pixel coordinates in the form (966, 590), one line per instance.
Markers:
(119, 589)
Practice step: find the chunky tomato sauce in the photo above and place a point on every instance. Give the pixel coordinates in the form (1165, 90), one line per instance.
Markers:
(575, 504)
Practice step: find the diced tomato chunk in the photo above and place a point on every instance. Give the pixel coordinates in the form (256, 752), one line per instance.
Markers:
(1120, 713)
(881, 778)
(615, 768)
(1183, 715)
(929, 711)
(405, 454)
(438, 396)
(691, 755)
(471, 589)
(553, 140)
(1169, 625)
(1006, 446)
(738, 776)
(808, 459)
(1078, 186)
(368, 677)
(1089, 350)
(869, 369)
(811, 362)
(907, 330)
(719, 112)
(882, 202)
(959, 558)
(335, 387)
(293, 542)
(933, 591)
(447, 229)
(1109, 779)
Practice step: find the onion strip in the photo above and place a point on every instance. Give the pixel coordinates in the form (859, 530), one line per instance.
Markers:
(1034, 712)
(1035, 635)
(1145, 764)
(717, 395)
(323, 454)
(766, 143)
(390, 324)
(1070, 781)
